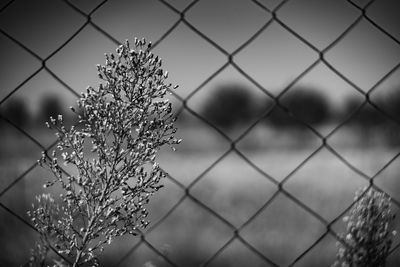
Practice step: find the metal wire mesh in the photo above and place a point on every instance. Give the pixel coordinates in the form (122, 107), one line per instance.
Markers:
(280, 189)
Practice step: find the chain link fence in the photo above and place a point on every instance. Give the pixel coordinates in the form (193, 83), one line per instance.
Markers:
(280, 192)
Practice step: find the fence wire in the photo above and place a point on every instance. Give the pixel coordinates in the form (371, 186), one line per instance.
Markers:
(280, 185)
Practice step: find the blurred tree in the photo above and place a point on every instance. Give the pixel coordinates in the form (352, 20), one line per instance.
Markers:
(230, 105)
(392, 107)
(366, 115)
(392, 104)
(305, 104)
(49, 106)
(280, 118)
(15, 110)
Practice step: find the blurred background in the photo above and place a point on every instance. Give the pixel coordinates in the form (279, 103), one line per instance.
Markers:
(285, 109)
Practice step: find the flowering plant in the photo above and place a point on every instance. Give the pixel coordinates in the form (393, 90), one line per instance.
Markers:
(112, 152)
(368, 235)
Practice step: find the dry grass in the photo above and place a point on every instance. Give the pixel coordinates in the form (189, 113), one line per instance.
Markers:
(190, 235)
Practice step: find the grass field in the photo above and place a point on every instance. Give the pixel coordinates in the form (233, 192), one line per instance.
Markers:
(190, 235)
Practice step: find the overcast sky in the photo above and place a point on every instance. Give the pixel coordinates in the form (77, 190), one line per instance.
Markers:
(273, 59)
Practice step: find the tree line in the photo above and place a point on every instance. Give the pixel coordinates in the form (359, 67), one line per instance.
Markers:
(15, 111)
(232, 105)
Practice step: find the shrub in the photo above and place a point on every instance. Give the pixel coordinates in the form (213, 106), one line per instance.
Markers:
(365, 117)
(50, 106)
(15, 110)
(228, 106)
(307, 105)
(392, 104)
(126, 121)
(368, 236)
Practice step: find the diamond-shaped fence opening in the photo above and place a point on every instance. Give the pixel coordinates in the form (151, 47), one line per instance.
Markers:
(267, 187)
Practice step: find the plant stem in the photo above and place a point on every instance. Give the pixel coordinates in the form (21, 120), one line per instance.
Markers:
(84, 240)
